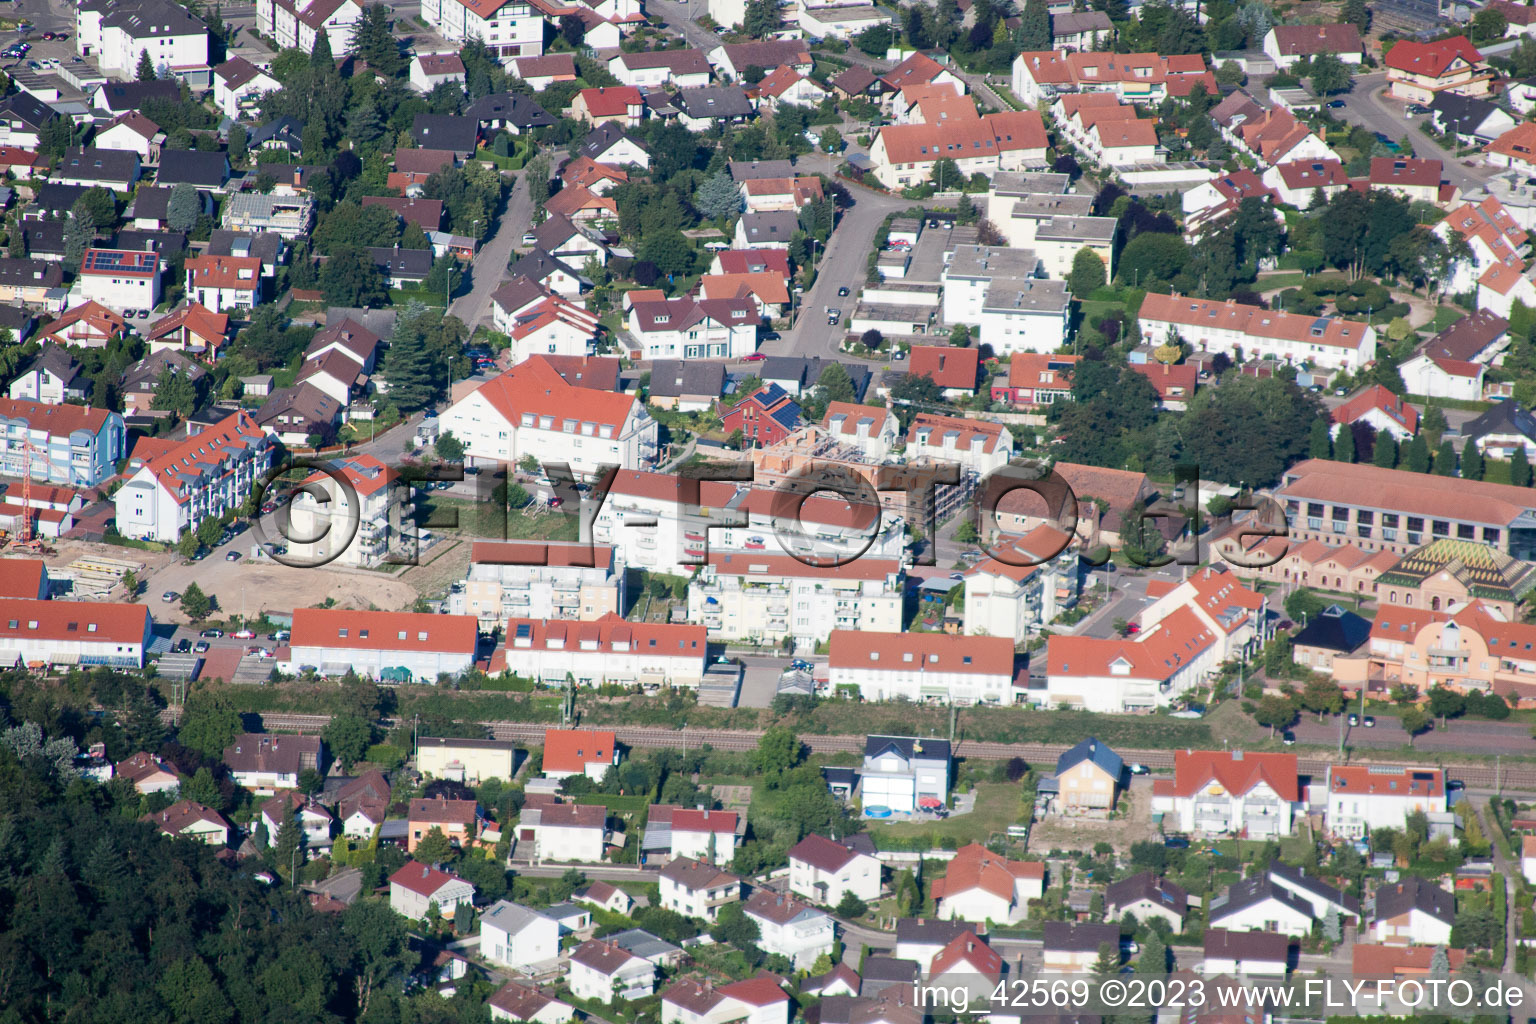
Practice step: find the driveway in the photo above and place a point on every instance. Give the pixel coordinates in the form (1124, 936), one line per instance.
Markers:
(489, 269)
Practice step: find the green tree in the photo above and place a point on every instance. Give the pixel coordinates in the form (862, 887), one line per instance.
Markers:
(414, 371)
(449, 448)
(378, 947)
(1357, 13)
(209, 531)
(239, 144)
(1471, 462)
(718, 197)
(831, 140)
(288, 845)
(960, 336)
(1087, 273)
(834, 385)
(351, 278)
(202, 789)
(1321, 695)
(187, 545)
(1385, 452)
(1330, 75)
(209, 723)
(1445, 703)
(850, 907)
(184, 207)
(77, 236)
(1414, 721)
(1154, 956)
(131, 584)
(1274, 711)
(761, 18)
(146, 70)
(1415, 455)
(1319, 444)
(175, 392)
(1445, 459)
(778, 750)
(1035, 29)
(1489, 24)
(191, 992)
(1108, 963)
(374, 41)
(196, 605)
(434, 847)
(1520, 469)
(1152, 257)
(348, 737)
(945, 174)
(1344, 445)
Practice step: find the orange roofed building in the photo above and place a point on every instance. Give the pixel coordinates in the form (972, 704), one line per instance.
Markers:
(607, 650)
(185, 483)
(1418, 72)
(904, 154)
(923, 667)
(589, 752)
(389, 646)
(1230, 792)
(980, 886)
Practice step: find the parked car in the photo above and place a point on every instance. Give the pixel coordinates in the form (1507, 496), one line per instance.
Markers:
(1176, 842)
(244, 634)
(1370, 723)
(169, 596)
(842, 292)
(212, 634)
(233, 556)
(1354, 719)
(1288, 738)
(1138, 769)
(181, 647)
(1335, 104)
(201, 648)
(755, 357)
(833, 316)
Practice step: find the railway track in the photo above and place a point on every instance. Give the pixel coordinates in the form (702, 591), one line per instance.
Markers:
(1518, 778)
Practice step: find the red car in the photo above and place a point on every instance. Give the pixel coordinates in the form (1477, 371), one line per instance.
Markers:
(754, 357)
(1132, 629)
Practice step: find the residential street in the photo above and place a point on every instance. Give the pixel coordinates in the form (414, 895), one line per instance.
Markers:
(1368, 105)
(490, 266)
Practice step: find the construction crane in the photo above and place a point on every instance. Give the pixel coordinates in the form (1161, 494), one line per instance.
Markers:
(24, 536)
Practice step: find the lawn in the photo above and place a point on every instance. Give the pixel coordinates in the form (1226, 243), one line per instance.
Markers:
(492, 522)
(997, 806)
(1270, 282)
(1445, 316)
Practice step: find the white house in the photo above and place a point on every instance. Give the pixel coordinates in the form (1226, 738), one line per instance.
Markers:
(416, 888)
(1217, 792)
(1528, 858)
(923, 666)
(265, 763)
(565, 832)
(205, 475)
(430, 70)
(1413, 911)
(514, 936)
(524, 1003)
(1245, 953)
(695, 329)
(874, 432)
(1259, 905)
(314, 820)
(132, 132)
(375, 489)
(789, 927)
(532, 410)
(194, 821)
(1072, 948)
(225, 282)
(34, 632)
(980, 886)
(239, 85)
(147, 773)
(757, 1000)
(696, 889)
(1444, 377)
(976, 446)
(604, 971)
(511, 28)
(539, 581)
(1145, 896)
(704, 835)
(121, 278)
(1364, 798)
(681, 69)
(1288, 44)
(589, 752)
(822, 869)
(393, 646)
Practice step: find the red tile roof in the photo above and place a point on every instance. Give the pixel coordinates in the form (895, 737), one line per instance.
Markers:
(969, 951)
(932, 652)
(822, 853)
(1307, 40)
(1378, 397)
(355, 629)
(976, 867)
(25, 619)
(1380, 781)
(1237, 772)
(611, 101)
(535, 386)
(571, 750)
(946, 366)
(21, 577)
(422, 879)
(1431, 59)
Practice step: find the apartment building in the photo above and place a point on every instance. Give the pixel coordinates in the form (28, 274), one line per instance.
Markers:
(1363, 798)
(1226, 327)
(287, 215)
(532, 410)
(606, 650)
(121, 278)
(52, 633)
(565, 832)
(872, 430)
(387, 646)
(976, 446)
(1395, 510)
(1218, 792)
(1001, 292)
(179, 485)
(1107, 131)
(73, 445)
(1040, 76)
(665, 524)
(763, 597)
(510, 28)
(115, 34)
(1035, 581)
(905, 154)
(356, 522)
(923, 667)
(1234, 615)
(536, 580)
(1149, 670)
(225, 282)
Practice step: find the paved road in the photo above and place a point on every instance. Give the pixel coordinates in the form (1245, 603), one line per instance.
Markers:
(1468, 734)
(680, 18)
(490, 267)
(1368, 105)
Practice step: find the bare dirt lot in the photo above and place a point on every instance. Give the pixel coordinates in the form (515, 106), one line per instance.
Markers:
(1058, 832)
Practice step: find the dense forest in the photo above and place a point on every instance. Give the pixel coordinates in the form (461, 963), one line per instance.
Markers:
(103, 919)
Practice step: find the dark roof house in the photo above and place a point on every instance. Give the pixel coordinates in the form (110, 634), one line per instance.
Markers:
(195, 167)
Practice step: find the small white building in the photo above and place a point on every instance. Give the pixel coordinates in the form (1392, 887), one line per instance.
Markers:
(822, 869)
(589, 752)
(1363, 798)
(1217, 792)
(696, 889)
(514, 936)
(121, 278)
(1245, 953)
(980, 886)
(1413, 912)
(565, 833)
(239, 85)
(1145, 896)
(430, 70)
(416, 888)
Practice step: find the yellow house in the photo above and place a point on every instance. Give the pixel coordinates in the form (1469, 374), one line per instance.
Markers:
(466, 760)
(1088, 777)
